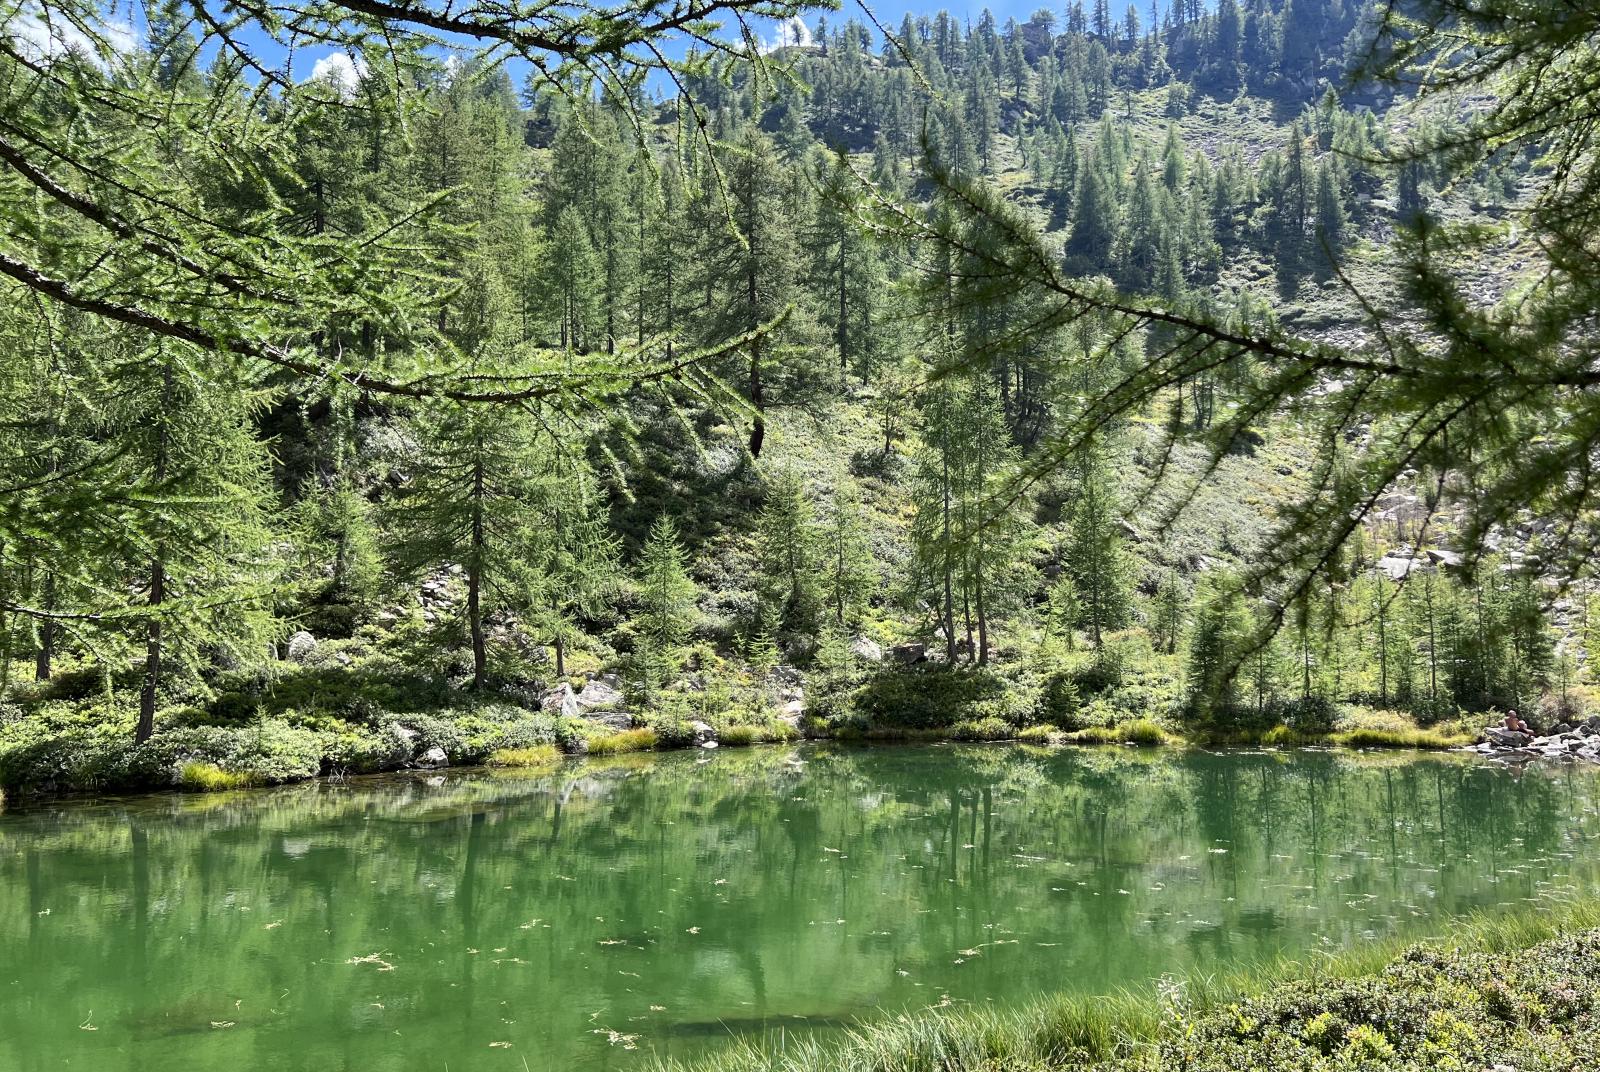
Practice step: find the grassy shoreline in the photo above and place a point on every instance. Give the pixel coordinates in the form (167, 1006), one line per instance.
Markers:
(1520, 986)
(48, 761)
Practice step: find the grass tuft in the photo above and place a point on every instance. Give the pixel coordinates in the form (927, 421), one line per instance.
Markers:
(739, 736)
(641, 740)
(539, 755)
(1141, 731)
(1367, 737)
(210, 778)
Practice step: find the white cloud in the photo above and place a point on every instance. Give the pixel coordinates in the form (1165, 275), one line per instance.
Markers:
(340, 69)
(790, 33)
(49, 34)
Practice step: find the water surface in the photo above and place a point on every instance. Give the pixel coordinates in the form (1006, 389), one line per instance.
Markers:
(586, 917)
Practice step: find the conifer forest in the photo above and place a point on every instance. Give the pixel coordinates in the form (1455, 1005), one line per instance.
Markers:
(1157, 442)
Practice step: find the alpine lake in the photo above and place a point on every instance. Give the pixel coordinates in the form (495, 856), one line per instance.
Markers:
(591, 915)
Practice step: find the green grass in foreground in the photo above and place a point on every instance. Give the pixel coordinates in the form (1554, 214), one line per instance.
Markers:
(1500, 990)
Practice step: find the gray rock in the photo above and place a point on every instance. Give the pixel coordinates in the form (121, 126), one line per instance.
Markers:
(433, 759)
(301, 645)
(1504, 738)
(866, 649)
(560, 701)
(597, 693)
(908, 654)
(703, 731)
(1560, 729)
(611, 718)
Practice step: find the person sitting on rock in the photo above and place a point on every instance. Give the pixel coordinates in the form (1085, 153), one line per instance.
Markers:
(1515, 724)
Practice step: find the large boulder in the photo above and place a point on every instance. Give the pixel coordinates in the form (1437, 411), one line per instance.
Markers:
(560, 701)
(301, 645)
(433, 759)
(599, 692)
(1504, 738)
(908, 654)
(866, 649)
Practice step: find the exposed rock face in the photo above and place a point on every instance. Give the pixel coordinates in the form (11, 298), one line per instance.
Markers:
(301, 645)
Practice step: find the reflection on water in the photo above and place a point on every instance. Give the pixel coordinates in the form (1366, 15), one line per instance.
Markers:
(585, 917)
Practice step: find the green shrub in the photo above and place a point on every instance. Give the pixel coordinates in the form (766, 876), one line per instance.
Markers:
(672, 732)
(361, 750)
(924, 699)
(1324, 1032)
(640, 740)
(1366, 1043)
(268, 753)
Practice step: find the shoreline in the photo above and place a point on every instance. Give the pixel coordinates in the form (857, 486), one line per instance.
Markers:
(548, 758)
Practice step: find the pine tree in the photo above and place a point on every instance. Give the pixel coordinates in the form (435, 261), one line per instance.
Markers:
(849, 573)
(789, 551)
(665, 606)
(1096, 555)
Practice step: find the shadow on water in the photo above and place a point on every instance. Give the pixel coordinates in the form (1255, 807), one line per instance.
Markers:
(583, 916)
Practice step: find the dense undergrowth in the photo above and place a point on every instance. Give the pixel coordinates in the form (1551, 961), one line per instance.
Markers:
(1507, 990)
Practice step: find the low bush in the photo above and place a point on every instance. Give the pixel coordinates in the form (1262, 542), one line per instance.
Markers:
(268, 753)
(924, 699)
(671, 732)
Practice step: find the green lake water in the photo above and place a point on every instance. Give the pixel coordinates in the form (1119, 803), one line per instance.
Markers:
(587, 917)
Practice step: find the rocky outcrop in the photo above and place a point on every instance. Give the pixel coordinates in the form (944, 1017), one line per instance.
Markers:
(1581, 742)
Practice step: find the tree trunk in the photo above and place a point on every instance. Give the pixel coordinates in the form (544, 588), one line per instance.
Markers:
(146, 727)
(949, 588)
(480, 654)
(47, 632)
(152, 653)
